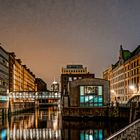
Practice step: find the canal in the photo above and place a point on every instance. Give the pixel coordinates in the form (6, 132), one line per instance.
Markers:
(47, 125)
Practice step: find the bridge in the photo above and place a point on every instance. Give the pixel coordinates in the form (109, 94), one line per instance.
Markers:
(22, 100)
(33, 95)
(130, 132)
(134, 100)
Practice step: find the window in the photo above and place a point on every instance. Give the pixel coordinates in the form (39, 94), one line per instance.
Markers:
(137, 62)
(91, 96)
(138, 80)
(70, 78)
(75, 78)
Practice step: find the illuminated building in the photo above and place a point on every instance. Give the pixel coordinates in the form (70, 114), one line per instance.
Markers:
(4, 77)
(40, 85)
(89, 92)
(55, 86)
(21, 78)
(71, 73)
(123, 75)
(29, 79)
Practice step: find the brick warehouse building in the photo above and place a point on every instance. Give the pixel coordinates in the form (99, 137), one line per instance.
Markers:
(124, 76)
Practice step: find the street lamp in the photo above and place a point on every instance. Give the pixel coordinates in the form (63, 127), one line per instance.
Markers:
(113, 96)
(133, 89)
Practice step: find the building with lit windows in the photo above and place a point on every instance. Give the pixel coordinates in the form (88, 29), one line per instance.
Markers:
(89, 92)
(55, 86)
(124, 76)
(29, 79)
(71, 73)
(21, 78)
(4, 77)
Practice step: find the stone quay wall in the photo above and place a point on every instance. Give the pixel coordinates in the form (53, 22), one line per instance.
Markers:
(102, 112)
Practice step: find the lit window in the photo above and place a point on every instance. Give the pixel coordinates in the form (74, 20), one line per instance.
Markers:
(75, 78)
(70, 78)
(91, 96)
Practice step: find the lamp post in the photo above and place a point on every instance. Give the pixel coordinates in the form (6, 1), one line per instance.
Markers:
(113, 96)
(134, 90)
(134, 106)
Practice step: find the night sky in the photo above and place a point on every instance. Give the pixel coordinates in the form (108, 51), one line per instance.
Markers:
(49, 34)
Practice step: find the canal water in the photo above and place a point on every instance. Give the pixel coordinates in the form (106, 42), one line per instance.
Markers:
(47, 125)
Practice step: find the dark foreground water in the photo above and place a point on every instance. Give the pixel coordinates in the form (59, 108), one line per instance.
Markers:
(47, 125)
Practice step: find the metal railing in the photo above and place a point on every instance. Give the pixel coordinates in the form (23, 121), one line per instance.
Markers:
(132, 131)
(34, 95)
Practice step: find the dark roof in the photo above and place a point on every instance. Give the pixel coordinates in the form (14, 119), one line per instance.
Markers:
(3, 49)
(136, 51)
(126, 55)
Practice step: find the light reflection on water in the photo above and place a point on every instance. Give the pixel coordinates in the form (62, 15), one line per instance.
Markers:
(47, 125)
(38, 125)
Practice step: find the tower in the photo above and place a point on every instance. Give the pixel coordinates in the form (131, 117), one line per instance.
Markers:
(55, 86)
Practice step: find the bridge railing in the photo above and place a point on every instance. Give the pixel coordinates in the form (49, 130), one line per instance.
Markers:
(132, 131)
(35, 95)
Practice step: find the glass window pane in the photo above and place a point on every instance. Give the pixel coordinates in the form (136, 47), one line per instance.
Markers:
(100, 92)
(86, 99)
(86, 105)
(100, 99)
(82, 104)
(90, 105)
(91, 96)
(100, 104)
(95, 105)
(81, 90)
(95, 99)
(82, 98)
(91, 99)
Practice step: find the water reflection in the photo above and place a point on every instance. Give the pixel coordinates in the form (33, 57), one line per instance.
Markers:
(47, 125)
(38, 125)
(90, 130)
(91, 134)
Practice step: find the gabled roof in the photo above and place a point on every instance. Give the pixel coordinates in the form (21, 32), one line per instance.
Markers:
(136, 51)
(126, 55)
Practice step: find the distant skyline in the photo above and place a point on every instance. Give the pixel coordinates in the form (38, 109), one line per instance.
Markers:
(49, 34)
